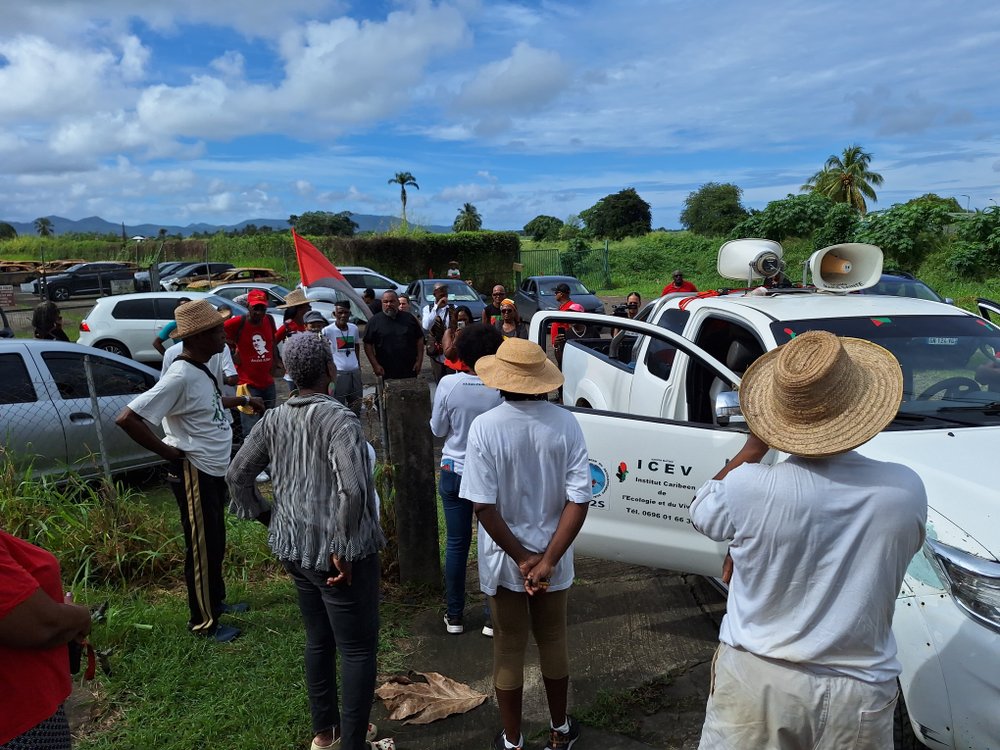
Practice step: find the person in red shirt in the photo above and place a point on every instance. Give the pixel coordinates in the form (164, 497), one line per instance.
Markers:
(36, 623)
(679, 285)
(253, 339)
(559, 330)
(296, 306)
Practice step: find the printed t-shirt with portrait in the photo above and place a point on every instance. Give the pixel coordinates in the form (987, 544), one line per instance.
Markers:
(527, 458)
(33, 682)
(188, 404)
(255, 349)
(343, 343)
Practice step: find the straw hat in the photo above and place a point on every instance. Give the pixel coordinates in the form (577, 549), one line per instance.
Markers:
(519, 366)
(295, 298)
(194, 317)
(820, 394)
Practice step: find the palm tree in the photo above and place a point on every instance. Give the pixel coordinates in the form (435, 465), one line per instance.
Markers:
(847, 179)
(403, 179)
(468, 219)
(44, 227)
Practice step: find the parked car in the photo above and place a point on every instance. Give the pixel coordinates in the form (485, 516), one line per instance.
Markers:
(276, 293)
(658, 408)
(101, 277)
(164, 269)
(236, 275)
(362, 278)
(902, 284)
(48, 417)
(535, 293)
(323, 299)
(126, 324)
(191, 272)
(421, 293)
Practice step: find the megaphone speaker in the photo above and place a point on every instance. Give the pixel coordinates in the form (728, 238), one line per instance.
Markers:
(846, 267)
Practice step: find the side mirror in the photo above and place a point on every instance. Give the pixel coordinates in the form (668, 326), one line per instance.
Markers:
(949, 301)
(6, 333)
(727, 409)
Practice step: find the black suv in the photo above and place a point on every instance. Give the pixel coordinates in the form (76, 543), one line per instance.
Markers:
(86, 278)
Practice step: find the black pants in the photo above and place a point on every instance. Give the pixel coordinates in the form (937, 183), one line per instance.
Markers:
(201, 500)
(340, 619)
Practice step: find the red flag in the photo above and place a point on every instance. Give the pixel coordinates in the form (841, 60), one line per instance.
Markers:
(316, 270)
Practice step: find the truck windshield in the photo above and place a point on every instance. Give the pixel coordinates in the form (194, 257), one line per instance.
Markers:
(950, 362)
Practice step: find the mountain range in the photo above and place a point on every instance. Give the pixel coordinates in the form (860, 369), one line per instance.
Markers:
(97, 225)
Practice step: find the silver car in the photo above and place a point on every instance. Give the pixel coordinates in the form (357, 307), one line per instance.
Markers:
(51, 419)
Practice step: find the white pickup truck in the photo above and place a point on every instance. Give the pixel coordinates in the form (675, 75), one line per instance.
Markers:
(647, 402)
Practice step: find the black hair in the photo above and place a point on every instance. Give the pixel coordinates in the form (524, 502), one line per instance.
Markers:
(475, 341)
(44, 318)
(634, 294)
(510, 396)
(467, 311)
(369, 292)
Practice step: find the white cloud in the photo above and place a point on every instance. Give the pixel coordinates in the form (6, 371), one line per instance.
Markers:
(230, 65)
(471, 193)
(134, 58)
(527, 80)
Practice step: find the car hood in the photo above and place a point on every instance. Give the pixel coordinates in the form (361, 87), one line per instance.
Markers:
(954, 467)
(589, 302)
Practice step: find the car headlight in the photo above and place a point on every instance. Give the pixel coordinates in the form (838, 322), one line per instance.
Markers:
(974, 581)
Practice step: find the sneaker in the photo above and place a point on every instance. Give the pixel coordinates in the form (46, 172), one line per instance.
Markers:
(499, 744)
(454, 624)
(226, 633)
(563, 740)
(235, 609)
(488, 628)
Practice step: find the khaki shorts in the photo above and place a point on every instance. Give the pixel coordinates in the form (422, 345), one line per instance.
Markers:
(764, 703)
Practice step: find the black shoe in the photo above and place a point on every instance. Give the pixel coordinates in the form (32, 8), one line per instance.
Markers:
(563, 740)
(454, 625)
(499, 744)
(235, 609)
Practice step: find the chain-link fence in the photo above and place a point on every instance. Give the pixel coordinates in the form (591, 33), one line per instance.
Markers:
(58, 410)
(590, 265)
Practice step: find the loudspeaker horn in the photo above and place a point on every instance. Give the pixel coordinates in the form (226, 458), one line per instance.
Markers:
(846, 267)
(750, 259)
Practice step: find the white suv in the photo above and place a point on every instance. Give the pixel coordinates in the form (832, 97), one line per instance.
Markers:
(362, 278)
(126, 324)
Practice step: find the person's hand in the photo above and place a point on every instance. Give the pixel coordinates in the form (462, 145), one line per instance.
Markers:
(560, 339)
(727, 569)
(529, 562)
(257, 404)
(441, 302)
(378, 370)
(342, 568)
(417, 365)
(537, 579)
(172, 453)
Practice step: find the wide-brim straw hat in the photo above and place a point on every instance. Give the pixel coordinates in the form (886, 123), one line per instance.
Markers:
(295, 298)
(820, 394)
(519, 366)
(194, 317)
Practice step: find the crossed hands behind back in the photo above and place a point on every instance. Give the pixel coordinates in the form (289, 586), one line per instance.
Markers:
(536, 572)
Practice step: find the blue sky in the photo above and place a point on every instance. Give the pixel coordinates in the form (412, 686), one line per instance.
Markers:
(180, 111)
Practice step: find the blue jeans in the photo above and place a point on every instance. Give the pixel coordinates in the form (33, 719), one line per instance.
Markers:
(340, 620)
(458, 522)
(269, 395)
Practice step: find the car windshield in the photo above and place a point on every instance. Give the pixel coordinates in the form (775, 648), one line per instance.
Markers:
(458, 291)
(575, 287)
(905, 288)
(951, 370)
(217, 300)
(76, 267)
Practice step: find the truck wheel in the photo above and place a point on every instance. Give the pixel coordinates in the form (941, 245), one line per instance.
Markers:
(58, 293)
(584, 404)
(903, 737)
(115, 347)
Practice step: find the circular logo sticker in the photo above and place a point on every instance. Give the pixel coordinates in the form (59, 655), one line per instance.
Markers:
(598, 478)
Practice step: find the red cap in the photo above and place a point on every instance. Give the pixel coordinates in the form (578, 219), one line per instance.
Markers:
(256, 297)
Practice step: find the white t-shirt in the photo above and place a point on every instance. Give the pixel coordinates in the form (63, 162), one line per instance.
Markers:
(343, 344)
(528, 458)
(427, 320)
(459, 399)
(819, 550)
(190, 408)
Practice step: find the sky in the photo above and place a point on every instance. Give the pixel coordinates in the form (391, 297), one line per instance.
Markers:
(218, 111)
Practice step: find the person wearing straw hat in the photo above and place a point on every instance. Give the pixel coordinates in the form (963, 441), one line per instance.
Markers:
(197, 442)
(528, 474)
(296, 306)
(819, 544)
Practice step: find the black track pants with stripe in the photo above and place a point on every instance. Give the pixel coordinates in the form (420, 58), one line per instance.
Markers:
(201, 499)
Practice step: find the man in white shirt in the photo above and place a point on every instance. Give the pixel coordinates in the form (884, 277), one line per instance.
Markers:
(197, 442)
(346, 345)
(435, 320)
(819, 546)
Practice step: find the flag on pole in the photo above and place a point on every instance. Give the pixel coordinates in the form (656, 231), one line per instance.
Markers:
(316, 270)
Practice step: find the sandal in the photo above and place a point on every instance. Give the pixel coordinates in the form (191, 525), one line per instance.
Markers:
(369, 736)
(386, 743)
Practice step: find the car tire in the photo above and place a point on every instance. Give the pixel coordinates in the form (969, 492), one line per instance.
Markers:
(58, 293)
(115, 347)
(903, 737)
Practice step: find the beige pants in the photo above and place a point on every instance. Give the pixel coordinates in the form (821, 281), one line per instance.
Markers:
(762, 703)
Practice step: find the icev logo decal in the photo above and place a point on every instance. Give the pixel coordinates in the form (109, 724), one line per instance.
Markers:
(598, 478)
